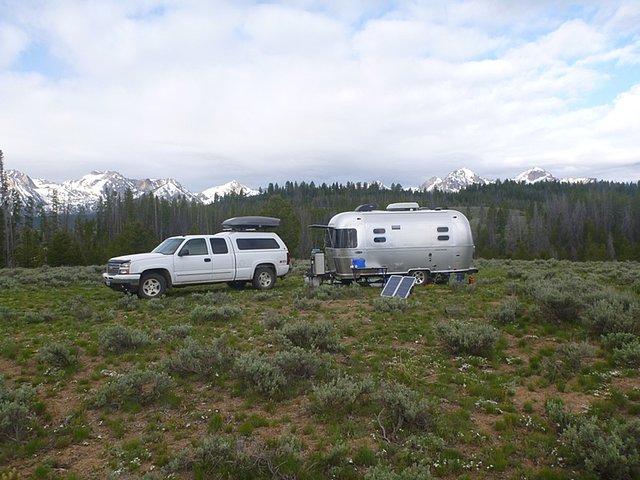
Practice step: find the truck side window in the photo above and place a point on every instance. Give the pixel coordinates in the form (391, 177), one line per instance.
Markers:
(257, 244)
(195, 246)
(219, 245)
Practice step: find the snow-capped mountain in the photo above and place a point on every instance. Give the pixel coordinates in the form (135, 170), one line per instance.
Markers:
(454, 182)
(230, 188)
(87, 191)
(534, 175)
(579, 180)
(24, 186)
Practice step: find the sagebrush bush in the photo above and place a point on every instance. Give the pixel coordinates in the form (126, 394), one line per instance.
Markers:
(138, 386)
(212, 297)
(260, 373)
(608, 449)
(297, 362)
(320, 334)
(340, 394)
(390, 304)
(127, 303)
(301, 302)
(467, 338)
(58, 355)
(178, 331)
(218, 457)
(6, 313)
(567, 361)
(383, 472)
(557, 413)
(628, 355)
(619, 313)
(272, 320)
(559, 301)
(205, 359)
(402, 408)
(16, 412)
(506, 312)
(214, 452)
(38, 317)
(617, 340)
(119, 338)
(80, 308)
(210, 313)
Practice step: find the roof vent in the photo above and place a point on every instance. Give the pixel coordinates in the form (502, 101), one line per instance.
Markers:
(403, 206)
(367, 207)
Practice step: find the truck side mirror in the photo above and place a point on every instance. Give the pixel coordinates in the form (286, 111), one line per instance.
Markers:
(184, 252)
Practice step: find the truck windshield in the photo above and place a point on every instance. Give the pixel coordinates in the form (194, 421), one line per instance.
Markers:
(169, 246)
(341, 238)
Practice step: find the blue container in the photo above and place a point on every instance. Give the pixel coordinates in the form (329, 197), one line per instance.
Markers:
(358, 263)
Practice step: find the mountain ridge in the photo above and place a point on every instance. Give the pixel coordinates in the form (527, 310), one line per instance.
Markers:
(87, 191)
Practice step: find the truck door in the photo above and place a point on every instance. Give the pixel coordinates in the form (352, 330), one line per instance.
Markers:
(224, 264)
(192, 262)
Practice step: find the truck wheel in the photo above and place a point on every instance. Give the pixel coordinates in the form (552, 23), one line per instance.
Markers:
(420, 276)
(152, 285)
(264, 278)
(237, 284)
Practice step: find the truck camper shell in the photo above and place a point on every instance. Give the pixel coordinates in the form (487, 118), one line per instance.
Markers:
(404, 239)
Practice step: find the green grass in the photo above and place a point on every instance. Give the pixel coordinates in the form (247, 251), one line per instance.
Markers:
(356, 385)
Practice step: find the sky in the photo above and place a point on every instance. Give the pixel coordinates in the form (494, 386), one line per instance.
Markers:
(206, 91)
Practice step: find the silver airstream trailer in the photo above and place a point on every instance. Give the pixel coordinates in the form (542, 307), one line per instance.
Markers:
(404, 239)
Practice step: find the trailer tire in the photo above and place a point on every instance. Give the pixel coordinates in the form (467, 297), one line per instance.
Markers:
(152, 285)
(264, 278)
(421, 276)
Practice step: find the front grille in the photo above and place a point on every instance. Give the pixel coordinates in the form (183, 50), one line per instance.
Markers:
(113, 268)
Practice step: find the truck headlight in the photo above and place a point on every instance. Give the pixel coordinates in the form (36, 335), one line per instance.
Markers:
(124, 268)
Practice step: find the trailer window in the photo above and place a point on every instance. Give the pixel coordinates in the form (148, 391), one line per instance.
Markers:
(379, 239)
(378, 230)
(443, 229)
(343, 238)
(443, 238)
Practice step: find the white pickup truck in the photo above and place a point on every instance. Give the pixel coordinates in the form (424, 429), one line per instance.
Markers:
(235, 257)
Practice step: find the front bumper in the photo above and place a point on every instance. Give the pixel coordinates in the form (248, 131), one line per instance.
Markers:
(115, 281)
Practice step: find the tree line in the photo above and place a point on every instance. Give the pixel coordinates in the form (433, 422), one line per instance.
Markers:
(596, 221)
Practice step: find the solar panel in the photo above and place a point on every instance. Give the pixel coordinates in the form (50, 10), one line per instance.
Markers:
(391, 286)
(398, 286)
(405, 287)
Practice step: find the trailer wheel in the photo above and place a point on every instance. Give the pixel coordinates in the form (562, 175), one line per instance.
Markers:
(420, 276)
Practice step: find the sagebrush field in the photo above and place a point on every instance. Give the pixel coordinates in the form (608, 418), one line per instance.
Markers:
(531, 372)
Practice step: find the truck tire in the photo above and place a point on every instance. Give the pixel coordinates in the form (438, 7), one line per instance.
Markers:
(420, 276)
(152, 285)
(264, 278)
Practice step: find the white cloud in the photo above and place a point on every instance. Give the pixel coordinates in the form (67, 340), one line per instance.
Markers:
(12, 42)
(209, 91)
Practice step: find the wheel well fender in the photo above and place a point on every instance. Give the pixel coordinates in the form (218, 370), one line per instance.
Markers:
(165, 273)
(270, 266)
